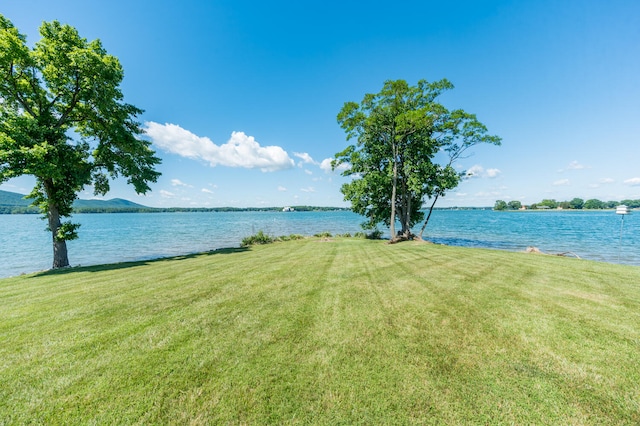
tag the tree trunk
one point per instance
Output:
(428, 216)
(392, 223)
(406, 226)
(60, 256)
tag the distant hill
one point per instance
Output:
(13, 199)
(12, 202)
(114, 203)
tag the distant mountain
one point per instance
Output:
(13, 199)
(114, 203)
(12, 202)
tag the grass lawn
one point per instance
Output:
(324, 332)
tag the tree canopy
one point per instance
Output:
(406, 145)
(63, 120)
(501, 205)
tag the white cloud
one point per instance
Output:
(239, 151)
(166, 194)
(326, 166)
(282, 189)
(306, 158)
(309, 172)
(487, 194)
(561, 182)
(178, 182)
(633, 181)
(492, 173)
(475, 171)
(308, 189)
(574, 165)
(605, 181)
(208, 191)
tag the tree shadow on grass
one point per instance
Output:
(136, 263)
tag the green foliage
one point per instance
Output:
(634, 204)
(594, 204)
(399, 131)
(500, 205)
(262, 238)
(291, 237)
(353, 332)
(67, 231)
(324, 234)
(259, 238)
(579, 204)
(548, 203)
(376, 234)
(576, 203)
(66, 85)
(514, 205)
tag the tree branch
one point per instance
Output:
(17, 93)
(72, 104)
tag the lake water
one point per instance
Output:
(108, 238)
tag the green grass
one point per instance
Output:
(331, 332)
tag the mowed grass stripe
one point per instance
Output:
(325, 332)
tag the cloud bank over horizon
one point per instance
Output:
(239, 151)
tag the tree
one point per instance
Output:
(399, 133)
(551, 204)
(593, 204)
(63, 120)
(576, 203)
(500, 205)
(631, 203)
(515, 205)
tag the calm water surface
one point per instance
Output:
(108, 238)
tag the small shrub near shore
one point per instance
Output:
(291, 237)
(259, 238)
(262, 238)
(376, 234)
(324, 234)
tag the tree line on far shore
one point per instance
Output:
(574, 204)
(8, 209)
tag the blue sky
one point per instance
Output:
(241, 97)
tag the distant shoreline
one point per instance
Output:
(4, 209)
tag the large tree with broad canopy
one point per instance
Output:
(63, 121)
(407, 144)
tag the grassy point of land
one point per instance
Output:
(324, 332)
